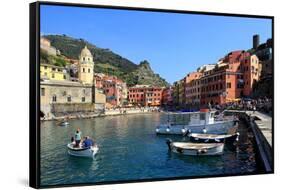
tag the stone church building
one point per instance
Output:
(68, 98)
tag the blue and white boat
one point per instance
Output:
(195, 122)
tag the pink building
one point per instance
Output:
(114, 89)
(167, 96)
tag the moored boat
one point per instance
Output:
(63, 123)
(82, 152)
(195, 122)
(196, 149)
(213, 138)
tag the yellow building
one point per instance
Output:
(52, 72)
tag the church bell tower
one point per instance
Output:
(86, 67)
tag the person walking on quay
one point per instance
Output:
(77, 137)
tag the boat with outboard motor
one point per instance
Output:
(195, 149)
(81, 151)
(195, 122)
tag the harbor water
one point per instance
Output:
(129, 149)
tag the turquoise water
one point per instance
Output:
(130, 150)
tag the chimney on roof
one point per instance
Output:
(256, 41)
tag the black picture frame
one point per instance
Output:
(34, 88)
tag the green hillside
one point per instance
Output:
(106, 61)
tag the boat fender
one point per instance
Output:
(204, 130)
(168, 129)
(183, 131)
(187, 132)
(168, 142)
(179, 150)
(157, 130)
(237, 137)
(217, 140)
(202, 151)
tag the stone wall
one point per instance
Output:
(72, 108)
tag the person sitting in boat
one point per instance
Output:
(77, 137)
(87, 142)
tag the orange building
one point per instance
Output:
(232, 78)
(167, 96)
(252, 73)
(192, 88)
(144, 95)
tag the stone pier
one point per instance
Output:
(261, 125)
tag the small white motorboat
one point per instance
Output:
(195, 122)
(196, 149)
(213, 138)
(82, 152)
(63, 124)
(228, 138)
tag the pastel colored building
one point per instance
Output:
(192, 88)
(114, 89)
(181, 91)
(52, 72)
(98, 77)
(145, 95)
(233, 77)
(167, 96)
(175, 88)
(252, 73)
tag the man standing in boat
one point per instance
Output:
(77, 137)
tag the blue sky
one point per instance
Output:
(174, 44)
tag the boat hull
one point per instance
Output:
(64, 124)
(203, 149)
(229, 139)
(219, 127)
(82, 152)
